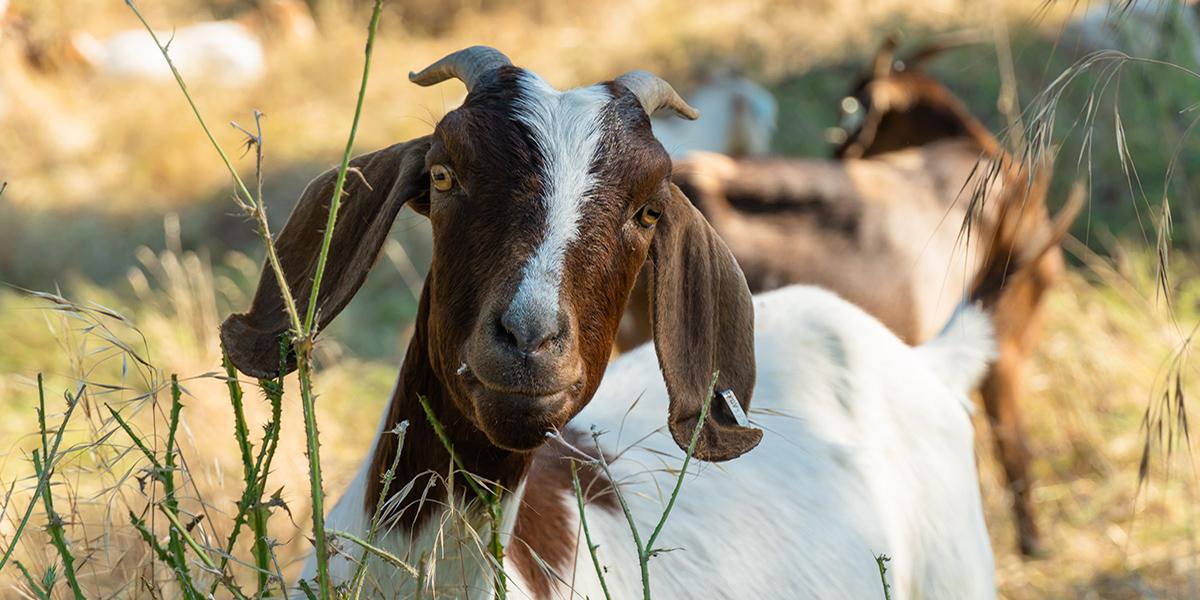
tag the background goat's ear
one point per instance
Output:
(703, 321)
(376, 188)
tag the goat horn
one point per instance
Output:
(881, 66)
(654, 93)
(468, 65)
(945, 43)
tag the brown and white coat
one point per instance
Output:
(544, 206)
(922, 208)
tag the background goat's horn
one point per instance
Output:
(881, 65)
(467, 65)
(654, 93)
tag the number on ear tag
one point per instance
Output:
(735, 407)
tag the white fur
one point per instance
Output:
(219, 52)
(955, 355)
(867, 451)
(738, 118)
(566, 128)
(457, 540)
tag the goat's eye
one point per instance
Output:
(442, 177)
(647, 217)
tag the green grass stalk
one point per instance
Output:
(303, 334)
(647, 551)
(336, 201)
(42, 590)
(54, 523)
(587, 534)
(51, 457)
(199, 550)
(54, 526)
(357, 582)
(249, 511)
(255, 207)
(491, 500)
(882, 560)
(312, 449)
(167, 475)
(304, 344)
(373, 549)
(183, 578)
(159, 470)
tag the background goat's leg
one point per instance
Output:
(1001, 391)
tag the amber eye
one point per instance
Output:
(441, 177)
(647, 217)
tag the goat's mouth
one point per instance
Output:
(520, 418)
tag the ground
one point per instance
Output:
(115, 199)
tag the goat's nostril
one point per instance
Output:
(528, 335)
(504, 333)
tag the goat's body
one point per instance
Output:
(883, 233)
(902, 235)
(867, 452)
(220, 52)
(739, 120)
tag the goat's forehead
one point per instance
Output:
(567, 130)
(560, 121)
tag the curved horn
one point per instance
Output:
(468, 65)
(881, 65)
(946, 42)
(654, 93)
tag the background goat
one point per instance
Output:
(544, 206)
(739, 120)
(229, 52)
(881, 227)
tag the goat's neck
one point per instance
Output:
(424, 453)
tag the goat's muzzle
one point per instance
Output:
(524, 377)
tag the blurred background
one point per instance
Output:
(117, 206)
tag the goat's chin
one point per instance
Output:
(517, 422)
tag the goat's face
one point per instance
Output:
(544, 206)
(897, 105)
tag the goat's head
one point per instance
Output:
(898, 105)
(544, 206)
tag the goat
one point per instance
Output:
(740, 117)
(1140, 28)
(544, 205)
(879, 226)
(228, 53)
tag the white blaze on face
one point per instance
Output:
(566, 128)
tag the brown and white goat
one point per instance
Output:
(545, 205)
(883, 227)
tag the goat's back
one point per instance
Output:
(866, 452)
(884, 233)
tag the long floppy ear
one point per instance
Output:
(376, 188)
(703, 321)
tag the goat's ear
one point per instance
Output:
(376, 188)
(703, 321)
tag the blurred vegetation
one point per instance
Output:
(115, 199)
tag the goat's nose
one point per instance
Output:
(530, 333)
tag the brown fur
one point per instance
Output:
(883, 231)
(497, 402)
(546, 529)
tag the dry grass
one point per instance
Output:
(1105, 358)
(93, 345)
(79, 152)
